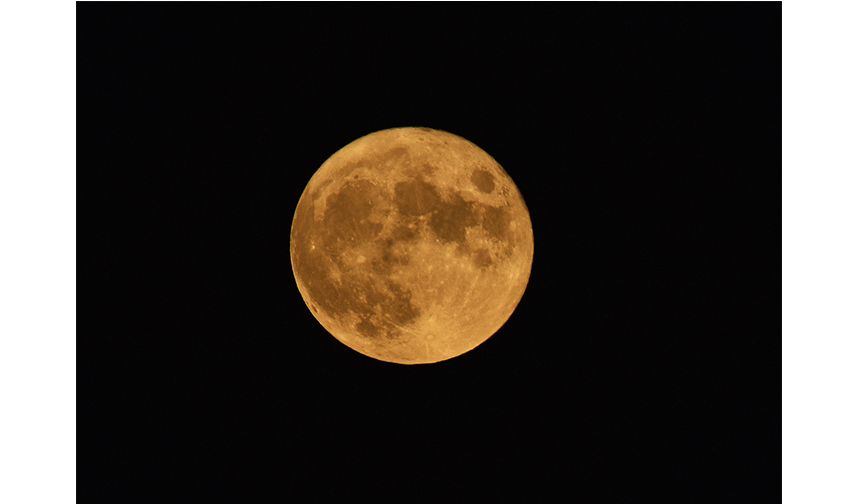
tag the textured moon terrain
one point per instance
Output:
(411, 245)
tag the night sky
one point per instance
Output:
(643, 361)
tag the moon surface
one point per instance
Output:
(411, 245)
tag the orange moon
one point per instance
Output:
(411, 245)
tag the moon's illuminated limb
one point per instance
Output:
(411, 245)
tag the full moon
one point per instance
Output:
(411, 245)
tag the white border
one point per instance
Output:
(821, 253)
(37, 252)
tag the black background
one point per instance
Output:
(643, 362)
